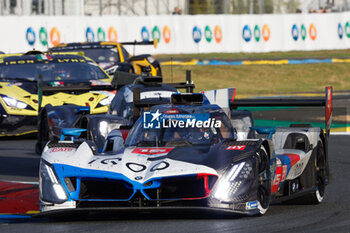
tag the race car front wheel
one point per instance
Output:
(159, 71)
(264, 181)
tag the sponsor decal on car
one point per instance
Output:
(57, 84)
(151, 151)
(278, 179)
(61, 149)
(236, 147)
(43, 59)
(284, 172)
(251, 205)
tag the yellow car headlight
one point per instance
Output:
(107, 101)
(11, 102)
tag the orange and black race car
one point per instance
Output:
(112, 56)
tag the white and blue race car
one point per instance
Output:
(184, 155)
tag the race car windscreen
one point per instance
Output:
(170, 132)
(123, 105)
(103, 56)
(53, 71)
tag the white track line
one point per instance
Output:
(340, 133)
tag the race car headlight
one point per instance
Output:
(112, 70)
(150, 59)
(11, 102)
(107, 100)
(51, 189)
(234, 183)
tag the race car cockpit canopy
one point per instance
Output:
(123, 103)
(100, 52)
(52, 68)
(181, 125)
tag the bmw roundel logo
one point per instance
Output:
(247, 33)
(340, 31)
(295, 32)
(138, 178)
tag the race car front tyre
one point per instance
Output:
(159, 71)
(264, 181)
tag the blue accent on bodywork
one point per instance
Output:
(73, 132)
(285, 160)
(205, 100)
(265, 130)
(83, 109)
(64, 171)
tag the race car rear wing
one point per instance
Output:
(119, 80)
(153, 42)
(290, 102)
(138, 104)
(122, 78)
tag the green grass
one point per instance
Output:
(271, 55)
(265, 79)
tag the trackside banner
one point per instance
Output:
(184, 33)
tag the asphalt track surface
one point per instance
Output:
(18, 162)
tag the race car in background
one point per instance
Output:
(302, 170)
(186, 155)
(19, 79)
(112, 56)
(134, 94)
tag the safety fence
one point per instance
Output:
(183, 33)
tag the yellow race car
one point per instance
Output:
(73, 77)
(112, 56)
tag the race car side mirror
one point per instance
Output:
(311, 147)
(114, 142)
